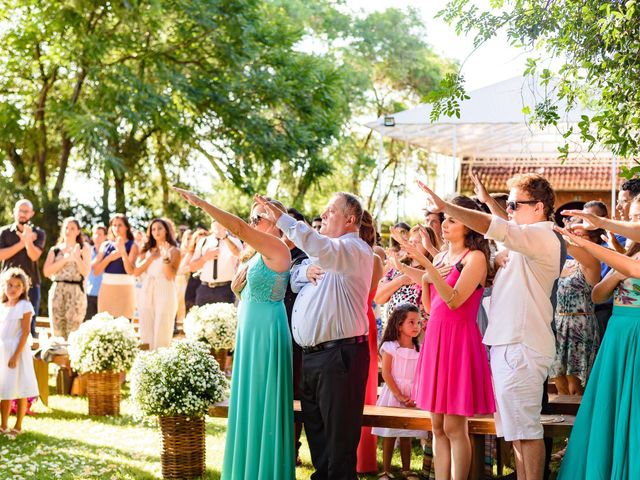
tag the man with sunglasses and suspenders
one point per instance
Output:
(519, 331)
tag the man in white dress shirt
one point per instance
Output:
(519, 330)
(329, 322)
(216, 258)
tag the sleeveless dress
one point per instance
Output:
(453, 375)
(403, 369)
(605, 439)
(158, 306)
(577, 336)
(67, 300)
(259, 443)
(19, 382)
(367, 460)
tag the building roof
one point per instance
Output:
(591, 178)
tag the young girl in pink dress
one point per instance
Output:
(17, 375)
(453, 379)
(399, 349)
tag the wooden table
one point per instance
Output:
(414, 419)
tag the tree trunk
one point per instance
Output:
(106, 188)
(119, 181)
(164, 183)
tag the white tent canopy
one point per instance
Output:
(491, 124)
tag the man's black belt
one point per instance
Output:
(335, 343)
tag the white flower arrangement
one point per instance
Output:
(103, 344)
(183, 379)
(214, 323)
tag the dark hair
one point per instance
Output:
(472, 239)
(632, 186)
(101, 227)
(501, 198)
(296, 214)
(151, 242)
(316, 219)
(634, 248)
(538, 188)
(368, 229)
(15, 272)
(125, 220)
(396, 318)
(79, 237)
(439, 214)
(598, 205)
(401, 226)
(352, 206)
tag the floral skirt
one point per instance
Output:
(577, 342)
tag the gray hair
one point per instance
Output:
(352, 206)
(23, 201)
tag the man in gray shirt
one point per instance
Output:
(330, 323)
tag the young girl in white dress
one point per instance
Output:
(17, 375)
(400, 351)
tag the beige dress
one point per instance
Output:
(67, 299)
(158, 307)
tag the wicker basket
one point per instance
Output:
(103, 391)
(183, 447)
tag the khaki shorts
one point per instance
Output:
(518, 378)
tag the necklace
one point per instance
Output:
(448, 257)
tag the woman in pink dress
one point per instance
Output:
(367, 460)
(453, 379)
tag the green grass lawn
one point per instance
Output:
(63, 442)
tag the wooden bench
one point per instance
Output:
(564, 404)
(43, 324)
(414, 419)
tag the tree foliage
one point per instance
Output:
(133, 93)
(595, 45)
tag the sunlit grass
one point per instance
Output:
(63, 442)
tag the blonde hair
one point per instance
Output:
(15, 272)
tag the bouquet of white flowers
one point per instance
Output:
(103, 344)
(183, 379)
(214, 323)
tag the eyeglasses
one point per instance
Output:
(513, 204)
(256, 219)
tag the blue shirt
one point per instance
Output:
(336, 307)
(117, 265)
(93, 281)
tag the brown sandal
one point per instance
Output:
(409, 475)
(386, 476)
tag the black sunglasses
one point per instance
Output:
(256, 219)
(513, 204)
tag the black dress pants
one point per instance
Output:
(221, 294)
(332, 396)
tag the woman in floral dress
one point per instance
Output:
(577, 335)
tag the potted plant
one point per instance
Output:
(215, 324)
(103, 348)
(178, 384)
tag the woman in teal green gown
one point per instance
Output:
(259, 442)
(605, 439)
